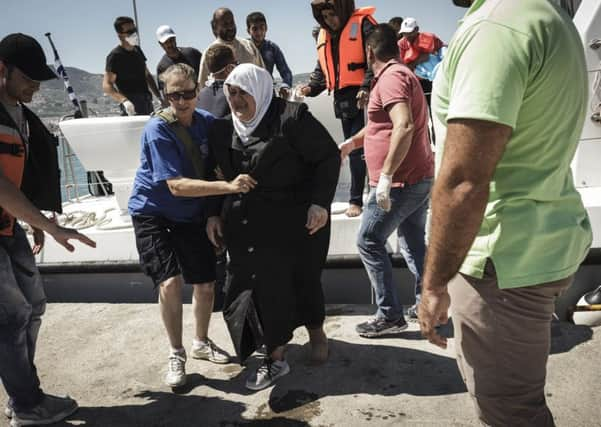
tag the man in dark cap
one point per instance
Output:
(29, 182)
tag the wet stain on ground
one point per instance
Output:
(372, 414)
(291, 400)
(295, 404)
(273, 422)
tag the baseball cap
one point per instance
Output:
(25, 53)
(408, 26)
(164, 33)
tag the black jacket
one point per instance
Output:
(275, 265)
(41, 177)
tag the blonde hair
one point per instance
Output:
(183, 70)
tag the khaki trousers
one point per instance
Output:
(503, 338)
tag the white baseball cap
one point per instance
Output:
(164, 33)
(408, 26)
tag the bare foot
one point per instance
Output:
(353, 210)
(319, 346)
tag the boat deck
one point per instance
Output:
(111, 358)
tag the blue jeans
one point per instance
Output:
(408, 217)
(22, 303)
(356, 159)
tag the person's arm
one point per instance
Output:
(188, 187)
(473, 149)
(108, 86)
(484, 106)
(401, 137)
(317, 82)
(282, 66)
(15, 202)
(400, 142)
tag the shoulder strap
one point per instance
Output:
(192, 149)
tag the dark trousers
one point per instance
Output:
(22, 303)
(351, 126)
(427, 88)
(142, 102)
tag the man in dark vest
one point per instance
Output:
(29, 181)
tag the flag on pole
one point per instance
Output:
(60, 70)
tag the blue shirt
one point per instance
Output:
(272, 55)
(163, 156)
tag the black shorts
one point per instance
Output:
(169, 248)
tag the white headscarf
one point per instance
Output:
(258, 83)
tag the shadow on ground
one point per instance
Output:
(565, 336)
(352, 370)
(167, 409)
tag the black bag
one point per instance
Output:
(243, 323)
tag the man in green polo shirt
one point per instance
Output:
(508, 228)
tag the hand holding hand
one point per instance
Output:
(317, 217)
(383, 192)
(242, 184)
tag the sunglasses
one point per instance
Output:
(185, 94)
(130, 31)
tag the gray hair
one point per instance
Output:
(182, 70)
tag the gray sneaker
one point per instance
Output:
(176, 370)
(267, 373)
(378, 327)
(210, 352)
(50, 410)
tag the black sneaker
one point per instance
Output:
(379, 327)
(50, 410)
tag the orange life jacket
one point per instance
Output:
(425, 43)
(351, 55)
(12, 165)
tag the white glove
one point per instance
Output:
(383, 192)
(129, 107)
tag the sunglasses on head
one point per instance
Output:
(130, 31)
(185, 94)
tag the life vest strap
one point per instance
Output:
(353, 66)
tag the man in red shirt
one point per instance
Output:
(401, 166)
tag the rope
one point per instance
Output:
(81, 220)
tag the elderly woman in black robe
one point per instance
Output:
(277, 235)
